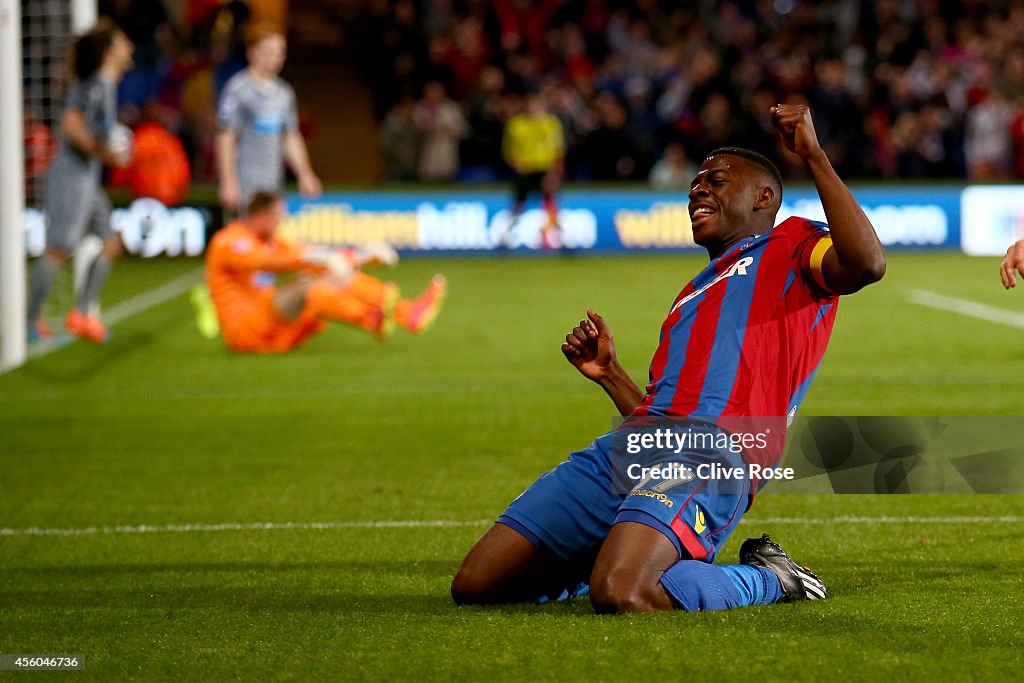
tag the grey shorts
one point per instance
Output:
(74, 209)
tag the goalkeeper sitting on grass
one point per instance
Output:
(254, 315)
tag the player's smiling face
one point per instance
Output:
(722, 202)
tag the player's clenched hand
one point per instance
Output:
(796, 129)
(1012, 264)
(589, 347)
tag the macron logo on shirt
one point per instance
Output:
(738, 268)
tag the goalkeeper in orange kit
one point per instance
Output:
(255, 315)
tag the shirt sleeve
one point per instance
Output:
(229, 109)
(77, 98)
(245, 253)
(813, 240)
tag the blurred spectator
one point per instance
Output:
(673, 171)
(399, 139)
(915, 88)
(394, 49)
(610, 150)
(1017, 137)
(900, 88)
(440, 124)
(487, 109)
(158, 169)
(988, 138)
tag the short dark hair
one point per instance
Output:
(88, 50)
(755, 158)
(261, 202)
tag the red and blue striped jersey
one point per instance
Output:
(746, 335)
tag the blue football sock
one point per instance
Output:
(757, 585)
(697, 586)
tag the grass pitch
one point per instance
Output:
(162, 427)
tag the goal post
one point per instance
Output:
(12, 189)
(35, 37)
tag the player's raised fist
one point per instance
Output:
(590, 348)
(796, 129)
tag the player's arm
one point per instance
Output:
(591, 350)
(1012, 264)
(75, 130)
(297, 157)
(229, 121)
(250, 254)
(554, 174)
(856, 258)
(227, 150)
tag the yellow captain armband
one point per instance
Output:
(817, 257)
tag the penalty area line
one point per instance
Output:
(972, 309)
(454, 523)
(151, 298)
(154, 297)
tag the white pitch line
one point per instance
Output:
(973, 309)
(153, 297)
(1004, 519)
(234, 526)
(449, 523)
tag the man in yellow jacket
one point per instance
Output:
(534, 147)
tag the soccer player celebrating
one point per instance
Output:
(259, 127)
(1012, 264)
(743, 338)
(254, 315)
(534, 146)
(75, 199)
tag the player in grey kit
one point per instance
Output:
(75, 199)
(259, 129)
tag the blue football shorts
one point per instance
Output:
(571, 509)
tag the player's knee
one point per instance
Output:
(470, 587)
(112, 247)
(57, 255)
(473, 583)
(620, 592)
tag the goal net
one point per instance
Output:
(47, 28)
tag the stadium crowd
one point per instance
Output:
(180, 69)
(901, 88)
(643, 89)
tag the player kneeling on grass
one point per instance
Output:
(254, 315)
(743, 338)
